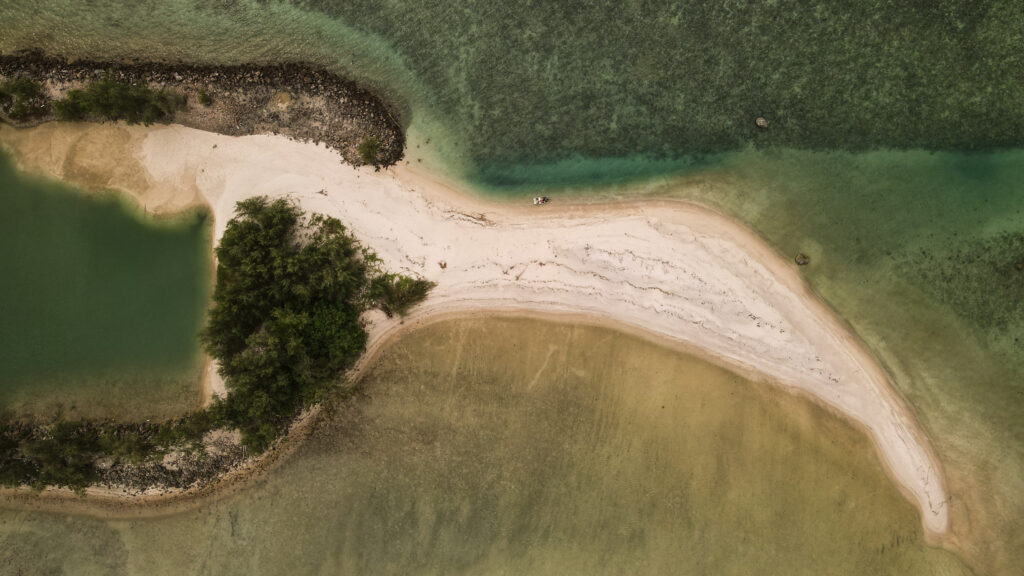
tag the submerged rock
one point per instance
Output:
(802, 259)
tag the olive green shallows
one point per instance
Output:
(100, 305)
(508, 446)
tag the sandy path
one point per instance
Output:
(675, 270)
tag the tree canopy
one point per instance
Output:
(22, 98)
(285, 321)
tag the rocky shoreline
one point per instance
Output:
(171, 484)
(295, 100)
(186, 468)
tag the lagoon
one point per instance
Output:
(100, 305)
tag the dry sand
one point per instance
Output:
(670, 269)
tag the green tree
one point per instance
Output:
(113, 99)
(22, 98)
(368, 149)
(64, 456)
(395, 293)
(285, 322)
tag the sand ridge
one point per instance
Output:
(670, 269)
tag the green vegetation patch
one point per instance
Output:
(368, 149)
(285, 322)
(285, 326)
(112, 99)
(22, 98)
(395, 293)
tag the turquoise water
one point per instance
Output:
(100, 308)
(917, 250)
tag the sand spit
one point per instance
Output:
(669, 269)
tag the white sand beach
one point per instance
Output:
(674, 270)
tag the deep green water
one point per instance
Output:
(917, 250)
(521, 447)
(99, 308)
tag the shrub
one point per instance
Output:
(395, 293)
(22, 89)
(204, 97)
(285, 321)
(63, 457)
(22, 98)
(112, 99)
(368, 149)
(74, 106)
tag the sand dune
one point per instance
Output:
(670, 269)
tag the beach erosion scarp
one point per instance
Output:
(675, 271)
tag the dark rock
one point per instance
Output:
(802, 259)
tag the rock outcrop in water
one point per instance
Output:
(295, 100)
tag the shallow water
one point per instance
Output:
(511, 446)
(100, 306)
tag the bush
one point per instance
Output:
(74, 106)
(285, 321)
(368, 149)
(204, 98)
(22, 89)
(64, 457)
(22, 98)
(112, 99)
(395, 293)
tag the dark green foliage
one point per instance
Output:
(285, 322)
(112, 99)
(131, 443)
(187, 431)
(14, 470)
(22, 89)
(368, 149)
(395, 294)
(204, 97)
(64, 456)
(22, 98)
(74, 106)
(284, 326)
